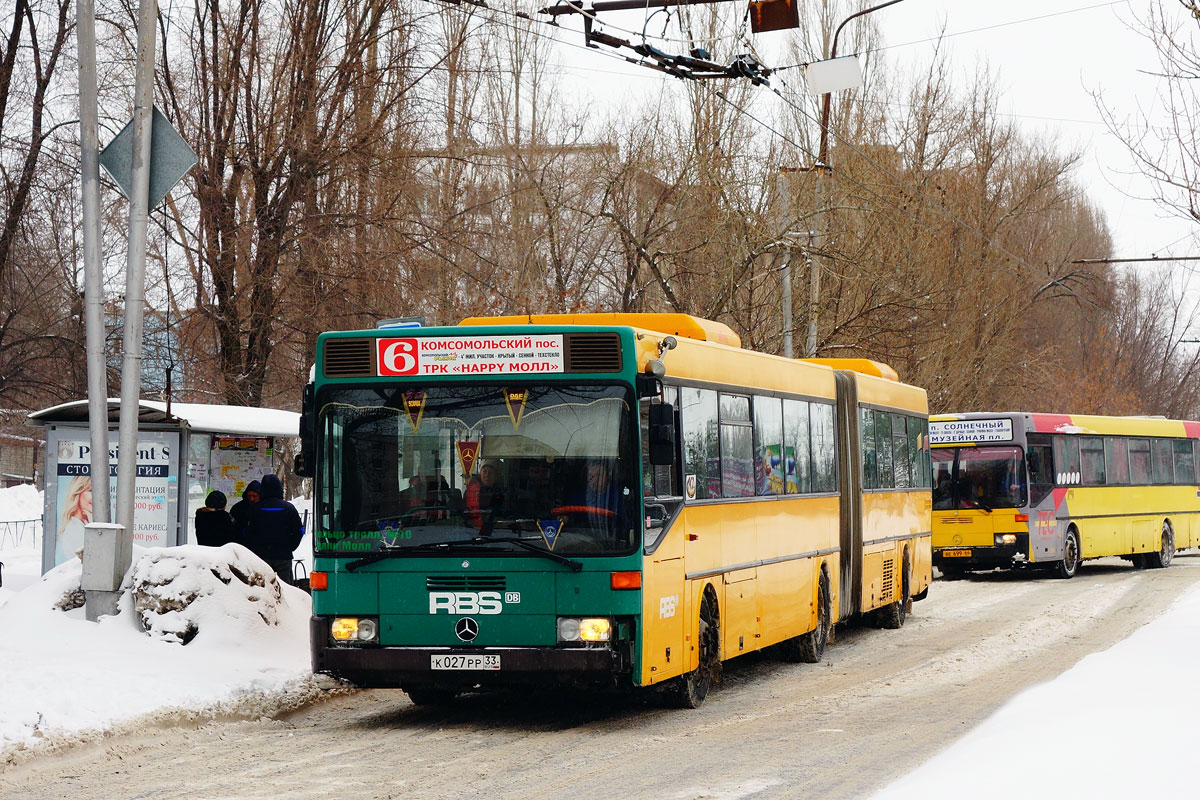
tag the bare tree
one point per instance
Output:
(35, 317)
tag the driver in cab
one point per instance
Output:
(485, 495)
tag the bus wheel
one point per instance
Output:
(810, 647)
(692, 688)
(893, 614)
(430, 695)
(1166, 551)
(1070, 562)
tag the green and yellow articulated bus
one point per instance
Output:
(605, 499)
(1052, 490)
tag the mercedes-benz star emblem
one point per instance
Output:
(466, 629)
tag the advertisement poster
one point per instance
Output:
(154, 493)
(768, 470)
(237, 460)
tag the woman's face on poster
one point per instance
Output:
(85, 504)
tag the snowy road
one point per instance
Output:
(880, 704)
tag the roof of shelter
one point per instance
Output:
(238, 420)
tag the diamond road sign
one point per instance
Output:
(170, 158)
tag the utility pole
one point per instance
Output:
(93, 277)
(824, 170)
(135, 277)
(783, 187)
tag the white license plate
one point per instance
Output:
(464, 662)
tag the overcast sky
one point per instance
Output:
(1049, 56)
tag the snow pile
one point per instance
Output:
(20, 538)
(63, 676)
(181, 592)
(21, 503)
(1117, 724)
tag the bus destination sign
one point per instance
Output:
(970, 430)
(470, 355)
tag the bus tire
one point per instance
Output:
(1070, 561)
(430, 695)
(892, 615)
(809, 647)
(1166, 550)
(691, 689)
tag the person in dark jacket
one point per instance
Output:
(273, 528)
(241, 509)
(214, 526)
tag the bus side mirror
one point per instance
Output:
(662, 434)
(302, 463)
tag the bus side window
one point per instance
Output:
(883, 450)
(900, 454)
(823, 427)
(1066, 461)
(1185, 467)
(1139, 461)
(1163, 466)
(702, 455)
(1091, 454)
(1041, 470)
(659, 480)
(798, 451)
(1116, 460)
(870, 465)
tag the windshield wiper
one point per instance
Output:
(533, 548)
(391, 552)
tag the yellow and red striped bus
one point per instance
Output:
(1021, 489)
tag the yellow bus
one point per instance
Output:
(1052, 490)
(752, 501)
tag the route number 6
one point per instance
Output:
(397, 356)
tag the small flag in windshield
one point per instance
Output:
(515, 400)
(550, 529)
(414, 407)
(467, 453)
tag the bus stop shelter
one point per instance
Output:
(184, 451)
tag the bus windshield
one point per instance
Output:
(978, 477)
(512, 468)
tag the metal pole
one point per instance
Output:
(822, 166)
(93, 277)
(135, 277)
(785, 206)
(787, 302)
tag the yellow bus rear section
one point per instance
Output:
(765, 593)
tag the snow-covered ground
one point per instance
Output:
(62, 676)
(1120, 723)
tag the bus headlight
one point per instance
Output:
(588, 629)
(353, 629)
(1006, 538)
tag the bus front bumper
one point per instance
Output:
(966, 557)
(394, 667)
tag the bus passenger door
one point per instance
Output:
(664, 611)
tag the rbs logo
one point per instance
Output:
(397, 356)
(465, 602)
